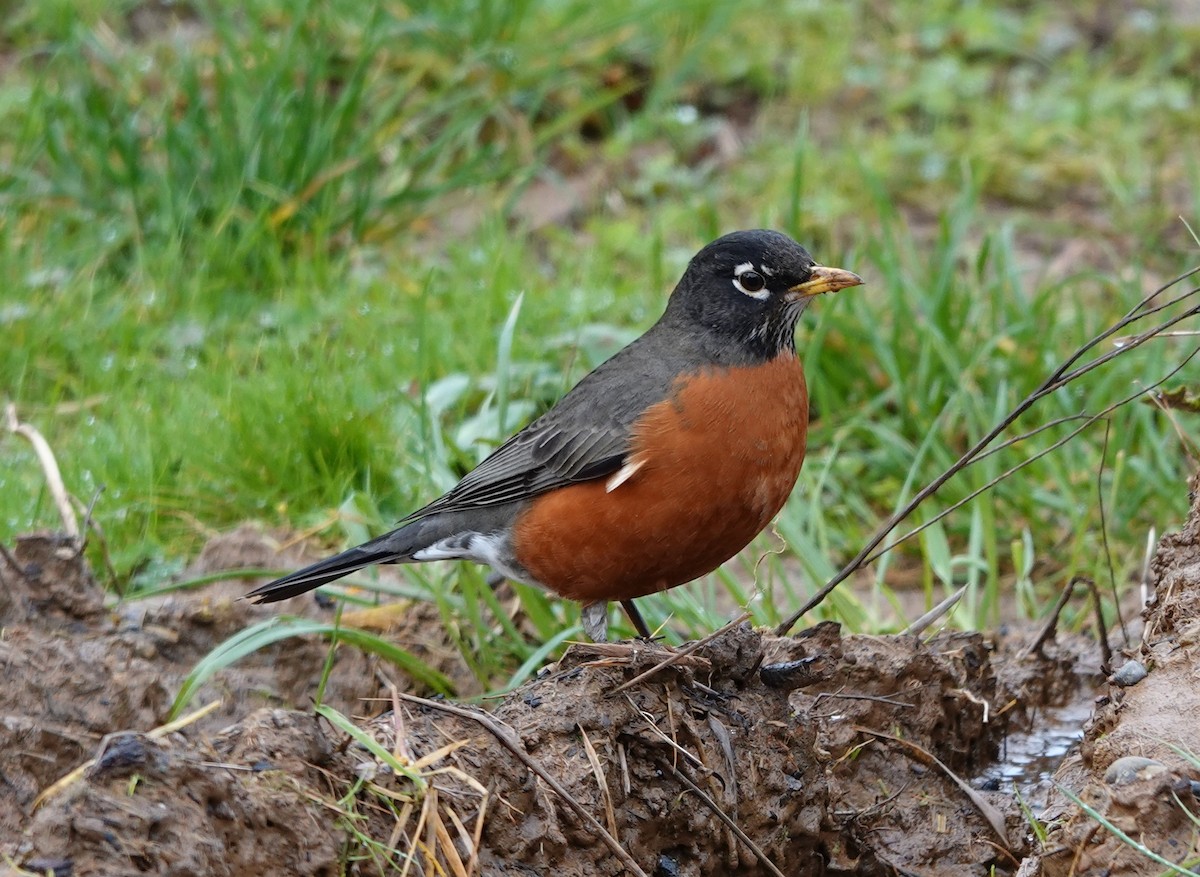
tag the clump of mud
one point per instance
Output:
(238, 803)
(824, 753)
(75, 670)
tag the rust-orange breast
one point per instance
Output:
(721, 457)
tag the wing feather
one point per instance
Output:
(587, 435)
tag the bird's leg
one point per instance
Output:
(595, 621)
(495, 579)
(638, 622)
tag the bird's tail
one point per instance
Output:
(323, 571)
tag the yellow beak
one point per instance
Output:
(823, 280)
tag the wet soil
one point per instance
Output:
(1137, 765)
(824, 753)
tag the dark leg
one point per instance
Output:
(636, 617)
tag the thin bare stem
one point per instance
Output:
(1051, 626)
(1089, 419)
(1060, 377)
(918, 627)
(505, 739)
(679, 654)
(1112, 573)
(1037, 430)
(54, 479)
(712, 805)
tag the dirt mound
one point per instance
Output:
(836, 768)
(171, 807)
(75, 671)
(821, 752)
(824, 753)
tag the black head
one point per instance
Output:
(749, 288)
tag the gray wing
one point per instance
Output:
(586, 435)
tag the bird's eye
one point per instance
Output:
(750, 282)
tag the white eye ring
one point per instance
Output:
(758, 280)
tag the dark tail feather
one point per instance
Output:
(321, 572)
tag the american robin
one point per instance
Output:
(657, 467)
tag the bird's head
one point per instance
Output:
(750, 287)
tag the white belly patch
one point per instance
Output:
(492, 549)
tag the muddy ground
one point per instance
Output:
(824, 754)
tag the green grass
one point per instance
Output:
(268, 264)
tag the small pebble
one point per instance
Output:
(57, 867)
(1126, 770)
(790, 674)
(1131, 673)
(123, 754)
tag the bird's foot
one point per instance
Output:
(594, 617)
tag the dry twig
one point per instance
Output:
(156, 734)
(1088, 419)
(54, 479)
(610, 815)
(712, 805)
(918, 626)
(1066, 373)
(993, 816)
(677, 655)
(496, 730)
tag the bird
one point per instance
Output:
(657, 467)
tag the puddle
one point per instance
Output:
(1028, 760)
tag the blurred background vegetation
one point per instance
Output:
(306, 263)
